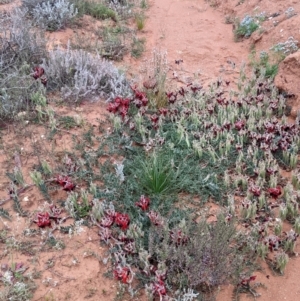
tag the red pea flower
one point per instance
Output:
(38, 72)
(125, 102)
(122, 273)
(144, 101)
(69, 185)
(159, 288)
(43, 220)
(246, 281)
(123, 111)
(65, 182)
(154, 118)
(275, 192)
(122, 220)
(178, 237)
(163, 111)
(143, 203)
(155, 218)
(255, 190)
(239, 124)
(113, 107)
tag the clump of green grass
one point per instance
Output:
(95, 9)
(139, 20)
(156, 175)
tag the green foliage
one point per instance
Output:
(137, 47)
(67, 122)
(95, 9)
(22, 47)
(263, 66)
(156, 173)
(140, 21)
(5, 214)
(17, 206)
(206, 259)
(244, 28)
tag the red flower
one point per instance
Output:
(143, 203)
(118, 100)
(154, 118)
(172, 97)
(163, 111)
(107, 221)
(38, 72)
(178, 237)
(125, 102)
(239, 124)
(123, 111)
(43, 220)
(159, 288)
(255, 190)
(113, 107)
(65, 182)
(270, 127)
(246, 281)
(122, 220)
(144, 101)
(122, 273)
(275, 192)
(155, 218)
(196, 88)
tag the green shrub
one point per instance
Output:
(245, 28)
(95, 9)
(263, 66)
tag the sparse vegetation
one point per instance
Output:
(244, 28)
(97, 10)
(147, 181)
(53, 15)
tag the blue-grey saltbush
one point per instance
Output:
(79, 74)
(53, 15)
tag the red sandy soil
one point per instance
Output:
(189, 30)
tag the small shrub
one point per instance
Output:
(29, 5)
(245, 28)
(21, 48)
(198, 255)
(137, 47)
(157, 68)
(114, 42)
(288, 47)
(78, 75)
(95, 9)
(54, 15)
(263, 66)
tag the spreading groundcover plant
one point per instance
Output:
(145, 183)
(148, 202)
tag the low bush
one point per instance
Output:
(21, 48)
(245, 28)
(95, 9)
(53, 15)
(78, 74)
